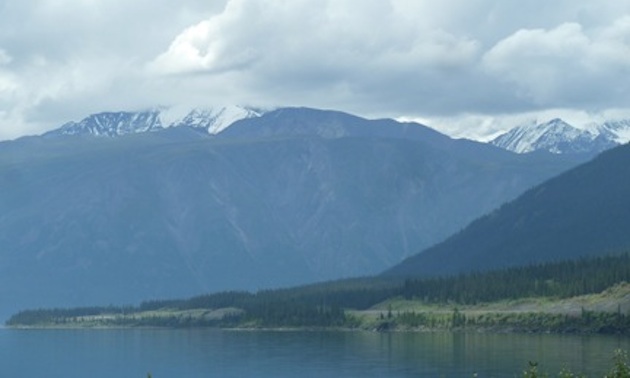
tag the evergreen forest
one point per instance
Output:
(342, 304)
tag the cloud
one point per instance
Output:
(7, 82)
(407, 57)
(62, 59)
(446, 60)
(9, 87)
(299, 50)
(5, 58)
(566, 65)
(327, 35)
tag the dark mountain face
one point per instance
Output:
(172, 213)
(583, 212)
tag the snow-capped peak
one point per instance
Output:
(555, 136)
(112, 124)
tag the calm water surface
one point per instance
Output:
(213, 353)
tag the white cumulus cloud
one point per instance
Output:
(270, 35)
(326, 53)
(566, 65)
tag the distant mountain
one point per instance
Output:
(113, 124)
(292, 196)
(558, 137)
(329, 124)
(555, 136)
(583, 212)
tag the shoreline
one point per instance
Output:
(607, 312)
(496, 329)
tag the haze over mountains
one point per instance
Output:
(286, 197)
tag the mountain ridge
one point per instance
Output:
(553, 136)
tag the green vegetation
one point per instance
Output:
(620, 369)
(560, 280)
(588, 295)
(586, 322)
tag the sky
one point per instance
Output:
(470, 68)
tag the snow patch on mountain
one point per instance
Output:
(618, 131)
(216, 120)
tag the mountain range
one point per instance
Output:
(555, 136)
(278, 198)
(582, 212)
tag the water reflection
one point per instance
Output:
(212, 353)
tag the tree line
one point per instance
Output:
(558, 279)
(324, 305)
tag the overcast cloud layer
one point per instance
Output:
(468, 67)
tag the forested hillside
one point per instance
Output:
(583, 212)
(330, 304)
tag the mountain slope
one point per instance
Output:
(581, 212)
(271, 201)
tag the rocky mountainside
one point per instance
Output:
(289, 197)
(583, 212)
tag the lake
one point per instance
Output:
(214, 353)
